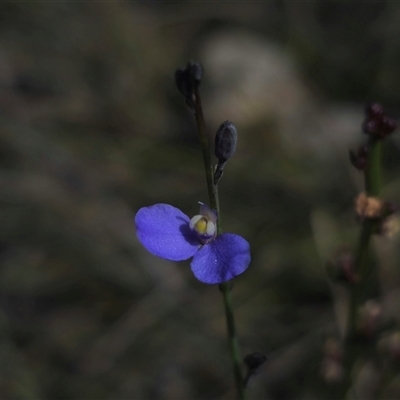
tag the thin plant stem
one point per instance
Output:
(214, 203)
(373, 172)
(205, 149)
(362, 262)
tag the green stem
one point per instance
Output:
(205, 149)
(362, 268)
(362, 262)
(233, 343)
(373, 172)
(214, 203)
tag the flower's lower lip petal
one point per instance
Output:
(221, 260)
(164, 231)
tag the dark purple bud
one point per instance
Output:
(225, 141)
(359, 160)
(182, 81)
(225, 146)
(374, 110)
(356, 162)
(377, 123)
(195, 71)
(388, 125)
(363, 151)
(253, 363)
(371, 126)
(353, 158)
(187, 79)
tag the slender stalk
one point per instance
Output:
(205, 149)
(214, 203)
(362, 268)
(373, 172)
(362, 262)
(233, 343)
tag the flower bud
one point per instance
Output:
(186, 80)
(388, 125)
(225, 141)
(195, 71)
(377, 123)
(371, 127)
(359, 160)
(374, 110)
(182, 81)
(225, 146)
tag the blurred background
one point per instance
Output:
(92, 128)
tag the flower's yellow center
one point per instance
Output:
(201, 226)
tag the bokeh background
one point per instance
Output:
(92, 128)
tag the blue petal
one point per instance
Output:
(222, 259)
(208, 212)
(164, 231)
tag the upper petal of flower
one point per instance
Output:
(208, 212)
(222, 259)
(164, 231)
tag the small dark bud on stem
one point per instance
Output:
(376, 122)
(253, 363)
(374, 110)
(359, 160)
(388, 125)
(187, 79)
(195, 71)
(225, 146)
(225, 141)
(181, 81)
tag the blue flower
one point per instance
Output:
(167, 232)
